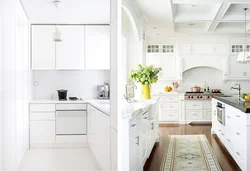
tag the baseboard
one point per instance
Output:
(59, 145)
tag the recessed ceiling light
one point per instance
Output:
(193, 5)
(191, 24)
(154, 27)
(157, 34)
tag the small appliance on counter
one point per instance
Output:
(103, 91)
(62, 94)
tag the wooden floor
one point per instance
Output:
(154, 162)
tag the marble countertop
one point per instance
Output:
(102, 105)
(234, 102)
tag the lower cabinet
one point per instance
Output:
(133, 151)
(99, 136)
(42, 132)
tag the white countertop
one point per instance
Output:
(130, 110)
(102, 105)
(169, 93)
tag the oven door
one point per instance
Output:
(71, 122)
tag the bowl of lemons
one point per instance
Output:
(168, 88)
(245, 97)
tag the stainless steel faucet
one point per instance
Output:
(127, 94)
(237, 88)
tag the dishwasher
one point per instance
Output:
(71, 119)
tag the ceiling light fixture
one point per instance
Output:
(154, 27)
(57, 3)
(244, 56)
(191, 24)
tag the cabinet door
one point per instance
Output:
(43, 48)
(97, 47)
(238, 70)
(154, 59)
(70, 51)
(207, 115)
(168, 66)
(185, 48)
(203, 48)
(220, 49)
(99, 137)
(133, 151)
(42, 132)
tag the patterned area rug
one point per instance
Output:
(189, 153)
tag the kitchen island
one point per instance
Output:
(140, 130)
(231, 124)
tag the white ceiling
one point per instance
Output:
(196, 16)
(69, 12)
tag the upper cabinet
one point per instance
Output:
(163, 48)
(43, 48)
(97, 47)
(82, 47)
(202, 49)
(70, 51)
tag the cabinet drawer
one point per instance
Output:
(170, 106)
(193, 104)
(207, 105)
(171, 115)
(207, 115)
(42, 107)
(132, 126)
(42, 116)
(71, 139)
(42, 132)
(71, 106)
(194, 114)
(169, 99)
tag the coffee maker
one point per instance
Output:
(62, 94)
(103, 91)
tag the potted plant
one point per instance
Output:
(146, 75)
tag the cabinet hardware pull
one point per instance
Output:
(145, 117)
(238, 116)
(194, 105)
(138, 140)
(171, 115)
(228, 140)
(133, 125)
(194, 114)
(144, 113)
(219, 130)
(152, 125)
(222, 134)
(228, 117)
(238, 153)
(237, 133)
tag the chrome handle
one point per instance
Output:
(238, 153)
(222, 134)
(170, 106)
(237, 133)
(152, 125)
(194, 114)
(194, 105)
(145, 117)
(219, 130)
(171, 115)
(238, 116)
(144, 113)
(133, 125)
(228, 140)
(138, 140)
(228, 117)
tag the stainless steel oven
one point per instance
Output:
(221, 113)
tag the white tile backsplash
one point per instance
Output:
(197, 76)
(78, 83)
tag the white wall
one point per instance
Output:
(16, 84)
(1, 84)
(81, 84)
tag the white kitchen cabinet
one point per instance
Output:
(168, 66)
(154, 59)
(133, 152)
(220, 49)
(185, 48)
(42, 132)
(43, 48)
(97, 47)
(70, 51)
(237, 71)
(99, 136)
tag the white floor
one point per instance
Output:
(59, 159)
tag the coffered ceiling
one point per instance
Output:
(194, 16)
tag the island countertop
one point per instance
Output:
(234, 102)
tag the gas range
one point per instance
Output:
(200, 95)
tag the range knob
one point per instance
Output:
(201, 97)
(189, 97)
(198, 97)
(208, 97)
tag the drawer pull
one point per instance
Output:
(170, 106)
(222, 134)
(171, 115)
(237, 133)
(194, 105)
(228, 140)
(238, 116)
(238, 153)
(133, 125)
(228, 117)
(152, 126)
(194, 114)
(144, 113)
(145, 117)
(138, 140)
(219, 130)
